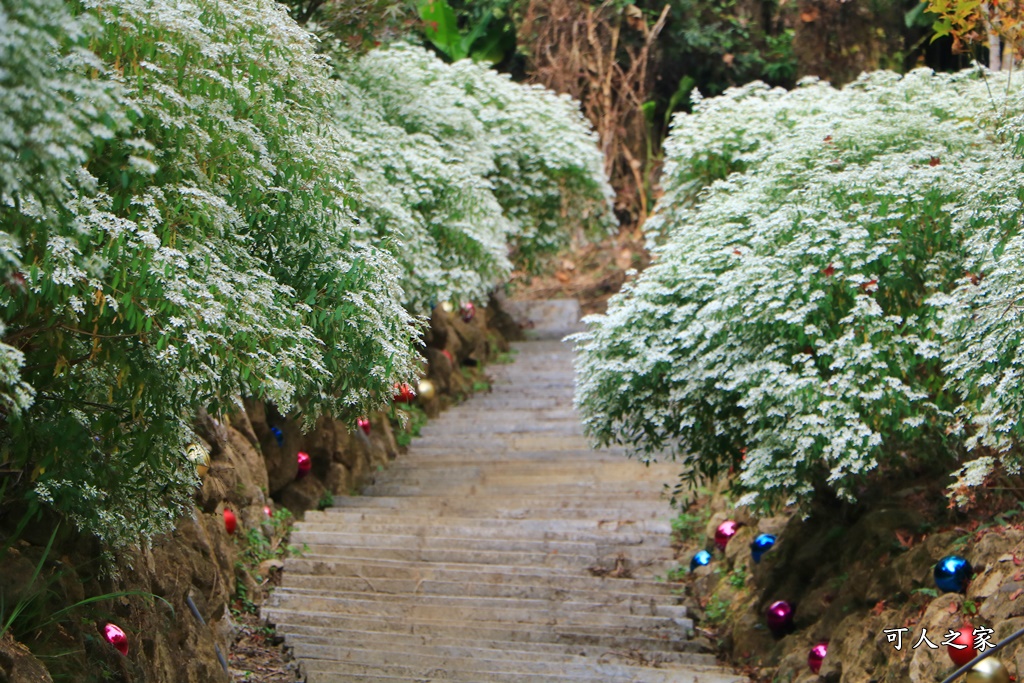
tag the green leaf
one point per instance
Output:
(441, 28)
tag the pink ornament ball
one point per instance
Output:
(725, 531)
(116, 637)
(780, 618)
(267, 511)
(468, 311)
(364, 425)
(817, 656)
(305, 464)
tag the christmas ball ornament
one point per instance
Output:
(403, 393)
(724, 532)
(760, 545)
(952, 573)
(267, 511)
(701, 559)
(426, 389)
(446, 306)
(278, 435)
(364, 424)
(988, 670)
(961, 656)
(468, 311)
(780, 618)
(230, 521)
(816, 656)
(199, 457)
(305, 464)
(116, 637)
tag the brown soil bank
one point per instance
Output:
(200, 571)
(853, 572)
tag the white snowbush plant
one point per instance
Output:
(823, 255)
(206, 250)
(535, 150)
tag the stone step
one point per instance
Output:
(370, 570)
(553, 589)
(672, 649)
(600, 556)
(575, 546)
(580, 631)
(417, 664)
(379, 517)
(495, 649)
(463, 608)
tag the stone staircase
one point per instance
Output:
(500, 548)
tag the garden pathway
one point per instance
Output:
(500, 548)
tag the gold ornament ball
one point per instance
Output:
(988, 670)
(447, 307)
(199, 457)
(426, 389)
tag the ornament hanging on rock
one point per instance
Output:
(988, 670)
(113, 634)
(468, 311)
(701, 559)
(780, 618)
(305, 464)
(403, 393)
(447, 307)
(760, 545)
(230, 521)
(952, 574)
(965, 653)
(816, 656)
(267, 511)
(200, 458)
(364, 424)
(278, 435)
(426, 389)
(725, 531)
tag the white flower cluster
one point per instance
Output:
(195, 209)
(832, 288)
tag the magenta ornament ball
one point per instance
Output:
(725, 531)
(816, 656)
(780, 618)
(116, 637)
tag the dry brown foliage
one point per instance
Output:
(602, 55)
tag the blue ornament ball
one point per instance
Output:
(701, 559)
(278, 435)
(952, 574)
(760, 545)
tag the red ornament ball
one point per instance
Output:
(966, 654)
(364, 424)
(725, 531)
(116, 637)
(816, 656)
(267, 511)
(230, 521)
(305, 464)
(403, 393)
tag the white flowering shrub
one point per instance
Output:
(534, 148)
(811, 312)
(206, 250)
(437, 217)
